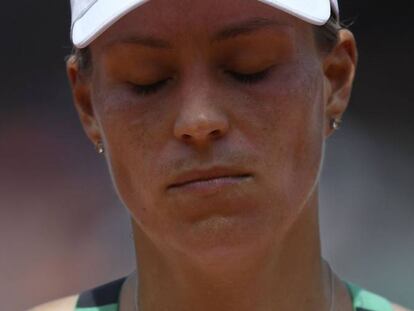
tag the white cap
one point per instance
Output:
(90, 18)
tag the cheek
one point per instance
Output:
(288, 129)
(281, 121)
(133, 139)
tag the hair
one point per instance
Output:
(326, 37)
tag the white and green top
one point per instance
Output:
(106, 298)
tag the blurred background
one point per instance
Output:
(62, 228)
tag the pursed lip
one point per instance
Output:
(205, 175)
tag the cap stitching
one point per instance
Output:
(82, 14)
(84, 11)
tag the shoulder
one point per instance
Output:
(397, 307)
(100, 296)
(69, 303)
(364, 299)
(62, 304)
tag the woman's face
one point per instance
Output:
(213, 89)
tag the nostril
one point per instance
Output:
(215, 133)
(186, 136)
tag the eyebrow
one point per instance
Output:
(247, 27)
(147, 41)
(231, 31)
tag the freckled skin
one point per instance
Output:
(273, 129)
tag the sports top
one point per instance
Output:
(106, 298)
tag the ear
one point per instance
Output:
(81, 91)
(339, 70)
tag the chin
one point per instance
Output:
(220, 240)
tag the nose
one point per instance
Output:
(200, 121)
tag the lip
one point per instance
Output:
(208, 179)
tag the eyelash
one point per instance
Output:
(250, 78)
(145, 90)
(149, 89)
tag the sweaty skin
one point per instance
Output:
(236, 85)
(202, 85)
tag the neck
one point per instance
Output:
(293, 276)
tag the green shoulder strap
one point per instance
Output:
(366, 300)
(102, 298)
(111, 307)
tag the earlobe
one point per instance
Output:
(339, 70)
(81, 92)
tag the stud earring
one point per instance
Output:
(336, 123)
(100, 147)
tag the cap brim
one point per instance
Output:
(105, 13)
(102, 15)
(316, 12)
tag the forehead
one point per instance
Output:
(196, 19)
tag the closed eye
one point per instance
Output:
(249, 78)
(148, 89)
